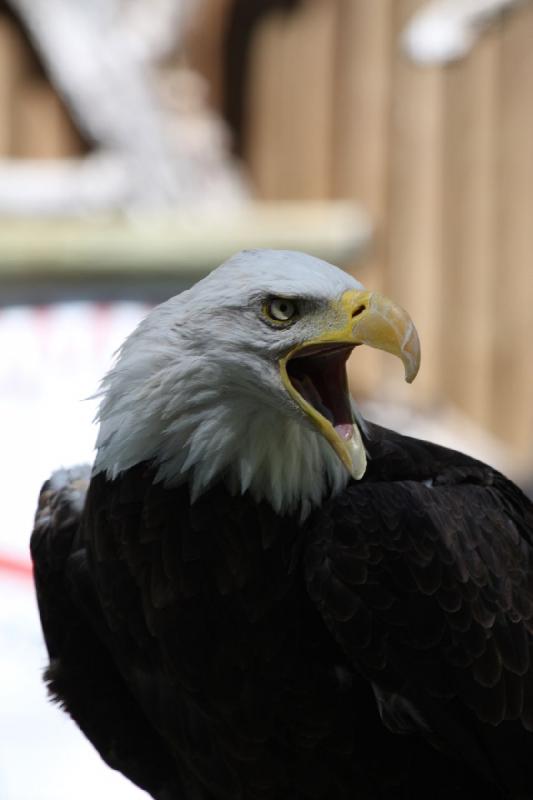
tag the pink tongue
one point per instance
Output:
(345, 431)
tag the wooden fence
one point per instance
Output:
(33, 121)
(441, 158)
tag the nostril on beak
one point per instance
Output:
(359, 310)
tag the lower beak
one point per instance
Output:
(361, 317)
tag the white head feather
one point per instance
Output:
(197, 389)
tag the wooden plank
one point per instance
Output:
(360, 143)
(203, 46)
(414, 247)
(512, 393)
(361, 113)
(13, 64)
(289, 126)
(470, 237)
(308, 59)
(42, 126)
(263, 107)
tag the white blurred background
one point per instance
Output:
(52, 360)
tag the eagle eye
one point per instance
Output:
(280, 309)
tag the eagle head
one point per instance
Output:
(242, 378)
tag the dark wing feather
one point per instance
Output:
(196, 602)
(81, 675)
(422, 572)
(184, 643)
(216, 636)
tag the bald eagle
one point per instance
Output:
(255, 594)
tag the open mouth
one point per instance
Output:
(318, 374)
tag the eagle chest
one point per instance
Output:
(210, 598)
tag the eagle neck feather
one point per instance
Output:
(187, 416)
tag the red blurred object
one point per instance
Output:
(19, 567)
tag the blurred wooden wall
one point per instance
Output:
(442, 158)
(33, 121)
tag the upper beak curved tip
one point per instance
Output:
(410, 353)
(380, 323)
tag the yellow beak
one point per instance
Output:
(359, 317)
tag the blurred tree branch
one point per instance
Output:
(156, 141)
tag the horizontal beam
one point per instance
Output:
(99, 248)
